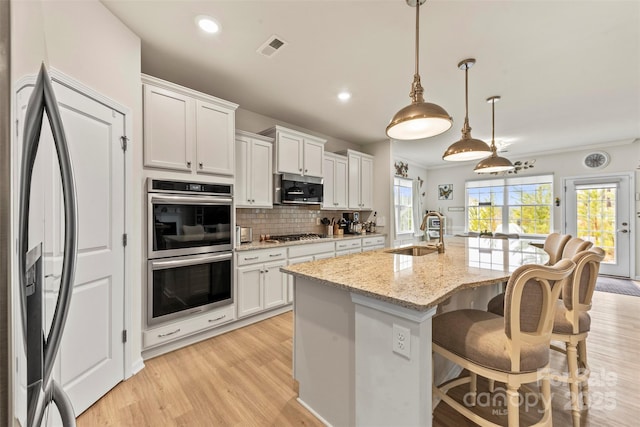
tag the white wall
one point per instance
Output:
(624, 158)
(86, 42)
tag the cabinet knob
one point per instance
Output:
(306, 170)
(200, 164)
(300, 170)
(188, 164)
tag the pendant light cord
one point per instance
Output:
(417, 34)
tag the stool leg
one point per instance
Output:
(572, 362)
(545, 385)
(513, 409)
(582, 359)
(473, 388)
(492, 385)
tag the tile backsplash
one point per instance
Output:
(285, 219)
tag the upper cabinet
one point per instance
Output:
(187, 131)
(254, 176)
(360, 180)
(335, 182)
(296, 152)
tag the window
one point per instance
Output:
(403, 201)
(520, 205)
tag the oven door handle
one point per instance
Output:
(186, 261)
(190, 200)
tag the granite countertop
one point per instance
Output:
(274, 244)
(422, 282)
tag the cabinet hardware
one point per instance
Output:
(200, 164)
(306, 170)
(217, 318)
(266, 271)
(300, 170)
(250, 258)
(188, 164)
(273, 255)
(169, 333)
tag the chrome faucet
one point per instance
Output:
(423, 226)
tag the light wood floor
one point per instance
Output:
(243, 378)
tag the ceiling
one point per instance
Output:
(568, 72)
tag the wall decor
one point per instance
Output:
(402, 169)
(445, 192)
(520, 165)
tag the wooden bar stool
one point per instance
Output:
(572, 323)
(513, 349)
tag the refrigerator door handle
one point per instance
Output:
(43, 99)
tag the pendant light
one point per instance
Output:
(494, 163)
(419, 119)
(467, 148)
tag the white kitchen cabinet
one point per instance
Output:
(348, 247)
(335, 182)
(187, 131)
(261, 285)
(372, 243)
(180, 329)
(296, 152)
(360, 188)
(254, 176)
(305, 253)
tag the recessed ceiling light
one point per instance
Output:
(344, 96)
(207, 24)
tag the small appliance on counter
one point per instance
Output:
(244, 234)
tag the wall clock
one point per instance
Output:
(596, 160)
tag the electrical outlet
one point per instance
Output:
(401, 341)
(318, 221)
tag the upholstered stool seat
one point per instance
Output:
(484, 341)
(513, 349)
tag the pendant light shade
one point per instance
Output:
(493, 163)
(419, 119)
(467, 148)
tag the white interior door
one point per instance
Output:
(91, 356)
(597, 209)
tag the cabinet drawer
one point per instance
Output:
(255, 257)
(373, 241)
(348, 244)
(310, 249)
(189, 326)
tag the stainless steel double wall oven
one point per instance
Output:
(190, 242)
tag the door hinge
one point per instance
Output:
(124, 239)
(124, 335)
(124, 141)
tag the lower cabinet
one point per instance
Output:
(261, 287)
(179, 329)
(372, 243)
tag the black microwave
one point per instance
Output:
(297, 189)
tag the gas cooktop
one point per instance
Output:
(296, 237)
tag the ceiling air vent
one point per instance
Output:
(271, 46)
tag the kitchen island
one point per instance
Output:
(362, 325)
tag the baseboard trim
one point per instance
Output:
(314, 413)
(137, 366)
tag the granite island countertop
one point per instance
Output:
(422, 282)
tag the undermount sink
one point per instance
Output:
(414, 250)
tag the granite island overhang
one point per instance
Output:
(362, 325)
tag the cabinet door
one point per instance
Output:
(242, 187)
(289, 153)
(354, 181)
(328, 201)
(215, 132)
(275, 285)
(340, 192)
(261, 173)
(366, 183)
(168, 129)
(313, 153)
(250, 294)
